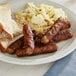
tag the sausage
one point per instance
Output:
(66, 23)
(63, 35)
(15, 45)
(51, 33)
(24, 52)
(28, 38)
(59, 25)
(21, 52)
(49, 48)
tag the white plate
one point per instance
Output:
(64, 48)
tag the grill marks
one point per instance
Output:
(63, 35)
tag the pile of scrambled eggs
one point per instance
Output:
(40, 17)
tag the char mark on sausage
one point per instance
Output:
(63, 35)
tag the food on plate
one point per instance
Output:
(43, 48)
(52, 32)
(38, 50)
(15, 45)
(28, 36)
(63, 35)
(28, 39)
(39, 26)
(4, 41)
(66, 24)
(8, 27)
(3, 45)
(5, 21)
(17, 30)
(40, 17)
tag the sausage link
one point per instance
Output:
(15, 45)
(56, 28)
(63, 35)
(49, 48)
(66, 24)
(28, 38)
(21, 52)
(51, 33)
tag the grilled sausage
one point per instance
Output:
(51, 47)
(28, 38)
(56, 28)
(66, 24)
(63, 35)
(15, 45)
(51, 33)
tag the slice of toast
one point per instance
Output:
(4, 42)
(5, 20)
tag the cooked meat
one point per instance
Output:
(28, 38)
(63, 35)
(15, 45)
(38, 50)
(66, 24)
(51, 33)
(56, 28)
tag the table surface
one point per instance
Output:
(37, 70)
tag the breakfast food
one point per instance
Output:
(51, 33)
(28, 39)
(17, 44)
(5, 21)
(28, 36)
(4, 41)
(66, 24)
(8, 27)
(63, 35)
(38, 50)
(40, 17)
(41, 27)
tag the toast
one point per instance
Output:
(4, 42)
(5, 20)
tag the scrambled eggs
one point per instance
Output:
(40, 17)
